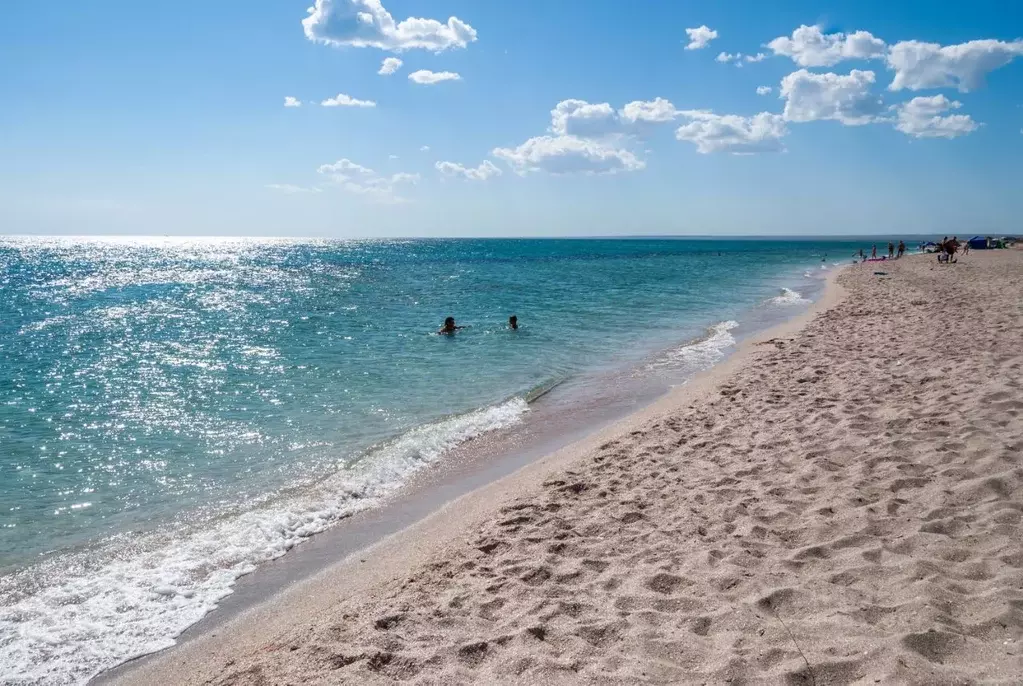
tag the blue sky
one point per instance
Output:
(566, 118)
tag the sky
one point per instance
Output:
(378, 118)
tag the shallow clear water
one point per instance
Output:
(175, 411)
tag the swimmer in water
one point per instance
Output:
(449, 327)
(513, 323)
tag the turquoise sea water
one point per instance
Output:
(175, 411)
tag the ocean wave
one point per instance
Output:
(789, 297)
(77, 619)
(703, 353)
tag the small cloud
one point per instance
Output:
(580, 118)
(389, 66)
(428, 78)
(392, 157)
(700, 37)
(567, 154)
(922, 118)
(343, 100)
(292, 102)
(425, 148)
(810, 47)
(657, 110)
(367, 24)
(738, 58)
(484, 171)
(360, 180)
(732, 133)
(843, 98)
(763, 90)
(290, 189)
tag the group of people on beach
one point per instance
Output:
(449, 327)
(892, 254)
(946, 249)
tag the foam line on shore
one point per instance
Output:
(134, 604)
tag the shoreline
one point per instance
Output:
(840, 504)
(350, 568)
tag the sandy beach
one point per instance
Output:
(840, 502)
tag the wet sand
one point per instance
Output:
(839, 502)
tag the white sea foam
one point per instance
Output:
(79, 620)
(701, 354)
(789, 297)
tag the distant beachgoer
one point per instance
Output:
(966, 247)
(891, 250)
(902, 249)
(862, 256)
(873, 252)
(513, 323)
(449, 327)
(947, 250)
(952, 247)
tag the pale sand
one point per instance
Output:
(839, 504)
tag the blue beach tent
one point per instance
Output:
(978, 243)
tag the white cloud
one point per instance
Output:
(568, 155)
(345, 167)
(389, 66)
(809, 97)
(425, 148)
(929, 65)
(700, 37)
(292, 102)
(921, 118)
(342, 100)
(732, 133)
(428, 78)
(290, 189)
(809, 47)
(480, 173)
(392, 157)
(763, 90)
(580, 118)
(365, 23)
(657, 110)
(361, 180)
(738, 58)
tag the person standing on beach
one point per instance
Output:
(873, 252)
(513, 323)
(952, 247)
(891, 250)
(902, 249)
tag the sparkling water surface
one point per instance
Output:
(174, 411)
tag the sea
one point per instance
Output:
(176, 411)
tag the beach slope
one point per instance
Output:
(841, 503)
